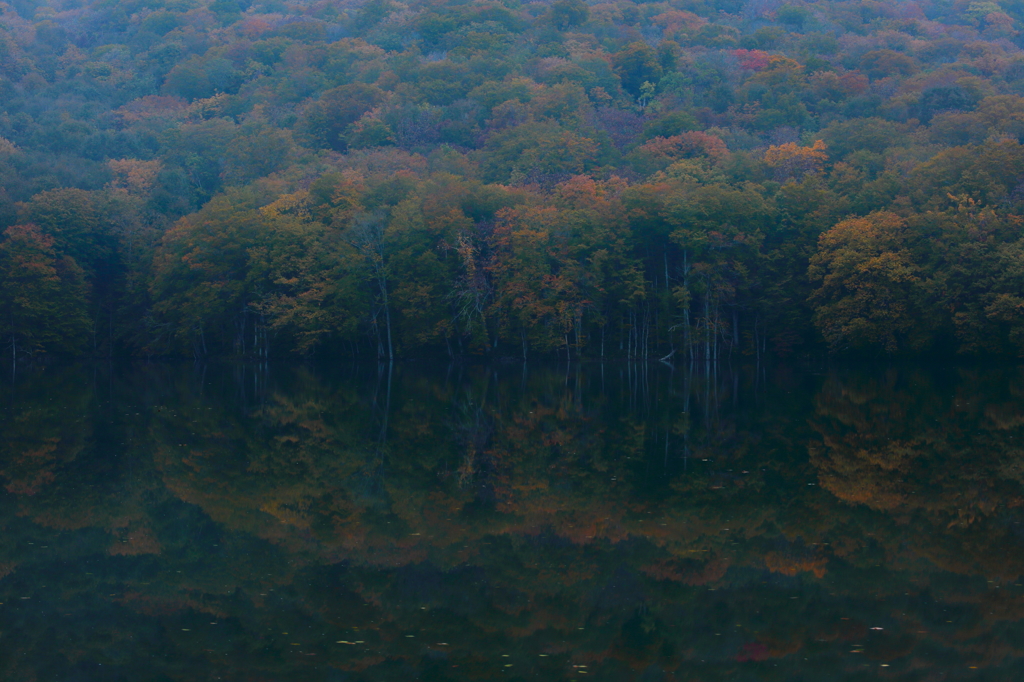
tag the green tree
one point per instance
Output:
(568, 13)
(328, 119)
(637, 64)
(43, 302)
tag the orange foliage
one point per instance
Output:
(33, 468)
(254, 26)
(134, 175)
(687, 145)
(138, 540)
(151, 106)
(753, 60)
(793, 161)
(674, 20)
(795, 565)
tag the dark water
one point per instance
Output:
(470, 523)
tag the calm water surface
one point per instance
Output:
(623, 522)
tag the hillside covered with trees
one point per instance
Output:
(705, 178)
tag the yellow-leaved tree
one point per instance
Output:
(867, 285)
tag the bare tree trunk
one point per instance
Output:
(757, 340)
(266, 340)
(579, 323)
(387, 319)
(735, 331)
(483, 326)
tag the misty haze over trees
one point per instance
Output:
(678, 179)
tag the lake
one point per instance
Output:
(512, 522)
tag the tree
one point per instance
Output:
(537, 151)
(885, 63)
(43, 298)
(868, 293)
(366, 234)
(972, 275)
(203, 284)
(792, 161)
(637, 64)
(327, 120)
(568, 13)
(74, 219)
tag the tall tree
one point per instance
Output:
(43, 301)
(868, 293)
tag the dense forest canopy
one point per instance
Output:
(619, 179)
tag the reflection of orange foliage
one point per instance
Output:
(139, 540)
(1005, 415)
(6, 568)
(163, 606)
(795, 565)
(39, 463)
(778, 648)
(30, 486)
(753, 651)
(664, 569)
(862, 475)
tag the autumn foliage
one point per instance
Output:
(384, 180)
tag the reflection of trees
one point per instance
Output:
(942, 455)
(41, 434)
(503, 510)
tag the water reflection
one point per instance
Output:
(614, 522)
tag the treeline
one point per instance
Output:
(657, 180)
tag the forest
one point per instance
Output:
(697, 179)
